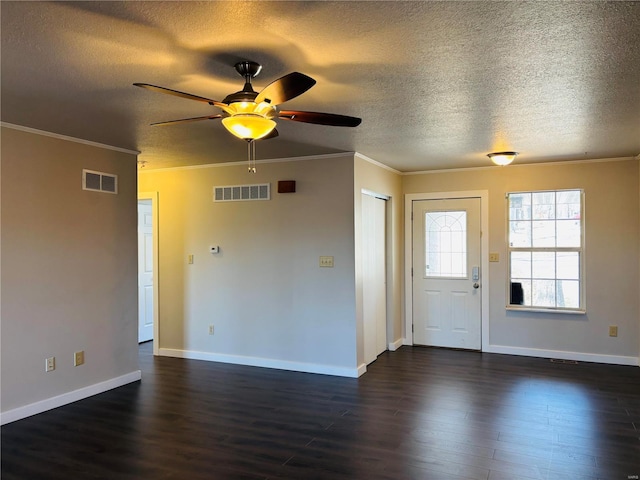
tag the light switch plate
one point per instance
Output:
(494, 257)
(326, 261)
(78, 358)
(50, 364)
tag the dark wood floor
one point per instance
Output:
(417, 413)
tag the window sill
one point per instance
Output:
(545, 310)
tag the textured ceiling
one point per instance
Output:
(437, 84)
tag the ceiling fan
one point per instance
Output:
(250, 115)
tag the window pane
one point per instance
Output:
(458, 241)
(541, 225)
(520, 206)
(568, 293)
(520, 234)
(543, 293)
(544, 233)
(544, 205)
(568, 265)
(568, 233)
(526, 290)
(544, 265)
(520, 264)
(446, 244)
(568, 204)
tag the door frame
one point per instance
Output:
(153, 196)
(389, 266)
(387, 314)
(484, 260)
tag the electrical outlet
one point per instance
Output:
(78, 358)
(50, 364)
(326, 261)
(613, 331)
(210, 329)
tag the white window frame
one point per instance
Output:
(581, 250)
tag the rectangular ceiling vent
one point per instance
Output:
(242, 193)
(99, 181)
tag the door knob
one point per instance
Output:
(476, 285)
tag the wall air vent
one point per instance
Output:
(99, 181)
(242, 193)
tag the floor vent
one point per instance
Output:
(560, 360)
(99, 181)
(242, 193)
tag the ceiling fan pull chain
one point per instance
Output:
(253, 156)
(251, 153)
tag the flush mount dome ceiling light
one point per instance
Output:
(502, 158)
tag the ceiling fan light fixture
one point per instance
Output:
(251, 115)
(249, 126)
(502, 158)
(246, 108)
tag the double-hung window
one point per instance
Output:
(546, 250)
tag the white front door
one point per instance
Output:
(145, 271)
(374, 283)
(447, 281)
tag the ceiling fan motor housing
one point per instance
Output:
(248, 70)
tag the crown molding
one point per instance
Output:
(520, 165)
(376, 163)
(67, 138)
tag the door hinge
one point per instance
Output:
(412, 271)
(411, 328)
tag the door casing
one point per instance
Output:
(374, 283)
(153, 196)
(408, 251)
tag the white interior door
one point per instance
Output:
(145, 271)
(374, 284)
(447, 306)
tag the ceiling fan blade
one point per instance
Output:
(177, 93)
(187, 120)
(320, 118)
(285, 88)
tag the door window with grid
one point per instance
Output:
(446, 244)
(546, 250)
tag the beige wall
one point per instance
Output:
(69, 272)
(612, 255)
(69, 267)
(265, 294)
(372, 177)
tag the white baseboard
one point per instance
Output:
(69, 397)
(564, 355)
(262, 362)
(393, 346)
